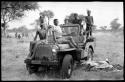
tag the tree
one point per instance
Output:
(49, 14)
(14, 10)
(14, 29)
(22, 29)
(36, 23)
(66, 20)
(103, 28)
(115, 25)
(81, 17)
(71, 17)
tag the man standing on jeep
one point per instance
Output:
(58, 35)
(89, 23)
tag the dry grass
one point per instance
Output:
(108, 45)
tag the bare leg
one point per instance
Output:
(73, 42)
(34, 49)
(68, 40)
(84, 38)
(87, 35)
(91, 33)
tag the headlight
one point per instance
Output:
(54, 54)
(54, 50)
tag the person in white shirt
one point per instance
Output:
(58, 35)
(57, 29)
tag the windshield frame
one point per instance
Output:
(69, 26)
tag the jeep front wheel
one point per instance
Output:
(31, 68)
(67, 66)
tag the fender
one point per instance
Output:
(89, 45)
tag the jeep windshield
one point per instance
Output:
(70, 30)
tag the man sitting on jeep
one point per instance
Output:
(41, 33)
(58, 35)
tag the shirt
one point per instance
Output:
(89, 20)
(58, 31)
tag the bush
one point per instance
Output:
(115, 25)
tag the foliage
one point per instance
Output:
(81, 17)
(36, 23)
(14, 10)
(14, 29)
(115, 25)
(49, 14)
(103, 28)
(22, 29)
(71, 17)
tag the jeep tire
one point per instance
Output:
(31, 68)
(67, 66)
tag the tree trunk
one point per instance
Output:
(4, 30)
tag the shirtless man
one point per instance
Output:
(42, 35)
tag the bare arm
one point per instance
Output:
(92, 20)
(53, 33)
(36, 35)
(54, 38)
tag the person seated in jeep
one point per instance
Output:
(58, 35)
(42, 35)
(41, 32)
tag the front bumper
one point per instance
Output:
(41, 62)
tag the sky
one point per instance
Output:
(102, 12)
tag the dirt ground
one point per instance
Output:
(108, 45)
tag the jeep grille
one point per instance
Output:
(43, 50)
